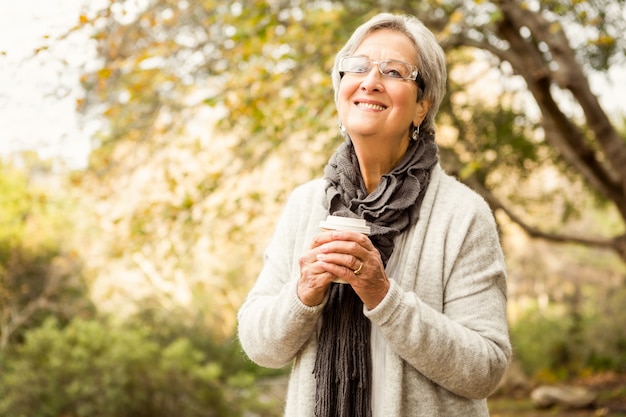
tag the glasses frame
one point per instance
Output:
(415, 73)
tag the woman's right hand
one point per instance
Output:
(314, 281)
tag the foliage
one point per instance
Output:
(261, 68)
(606, 337)
(244, 59)
(176, 198)
(22, 207)
(168, 236)
(541, 341)
(39, 275)
(173, 205)
(554, 343)
(184, 210)
(546, 45)
(91, 368)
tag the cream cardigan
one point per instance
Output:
(443, 319)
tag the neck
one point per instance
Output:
(375, 161)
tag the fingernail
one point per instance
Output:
(321, 256)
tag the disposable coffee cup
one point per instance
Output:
(347, 224)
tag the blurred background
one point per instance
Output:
(147, 148)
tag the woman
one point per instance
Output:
(420, 327)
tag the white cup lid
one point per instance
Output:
(345, 223)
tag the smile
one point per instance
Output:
(371, 106)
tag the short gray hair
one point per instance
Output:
(430, 57)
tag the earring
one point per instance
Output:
(416, 133)
(342, 129)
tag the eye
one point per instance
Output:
(358, 64)
(359, 67)
(393, 69)
(393, 73)
(355, 64)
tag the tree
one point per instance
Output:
(177, 200)
(263, 66)
(533, 38)
(39, 276)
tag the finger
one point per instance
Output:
(359, 269)
(339, 271)
(346, 247)
(322, 238)
(312, 288)
(351, 236)
(346, 260)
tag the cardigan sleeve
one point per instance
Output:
(460, 342)
(273, 324)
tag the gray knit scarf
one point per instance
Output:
(343, 362)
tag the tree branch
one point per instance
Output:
(571, 145)
(17, 318)
(570, 76)
(560, 130)
(450, 160)
(532, 231)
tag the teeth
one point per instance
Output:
(371, 106)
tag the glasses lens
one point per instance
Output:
(389, 69)
(358, 64)
(395, 69)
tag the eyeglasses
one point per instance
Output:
(388, 68)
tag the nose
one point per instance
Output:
(373, 79)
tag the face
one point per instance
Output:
(371, 106)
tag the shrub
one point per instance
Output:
(540, 341)
(89, 369)
(606, 334)
(554, 344)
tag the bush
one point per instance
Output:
(540, 340)
(89, 369)
(606, 338)
(40, 274)
(554, 344)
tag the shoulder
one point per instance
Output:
(450, 203)
(304, 205)
(314, 186)
(449, 190)
(306, 194)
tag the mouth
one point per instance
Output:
(370, 106)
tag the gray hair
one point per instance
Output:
(431, 60)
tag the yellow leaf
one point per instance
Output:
(456, 17)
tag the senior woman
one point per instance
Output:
(419, 327)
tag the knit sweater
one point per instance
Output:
(443, 318)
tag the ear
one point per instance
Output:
(421, 109)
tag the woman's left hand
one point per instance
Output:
(352, 257)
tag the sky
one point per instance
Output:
(38, 93)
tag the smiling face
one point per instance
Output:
(371, 106)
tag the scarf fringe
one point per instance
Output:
(343, 386)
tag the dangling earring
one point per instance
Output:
(342, 129)
(416, 133)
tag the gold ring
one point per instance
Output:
(358, 271)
